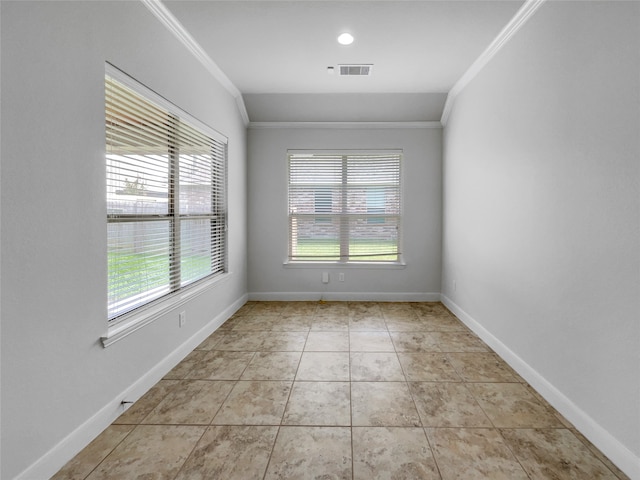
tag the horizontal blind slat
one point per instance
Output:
(344, 207)
(166, 200)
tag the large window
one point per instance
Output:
(166, 208)
(344, 207)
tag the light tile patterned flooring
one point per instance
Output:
(308, 390)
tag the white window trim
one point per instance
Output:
(148, 93)
(143, 316)
(346, 265)
(124, 325)
(398, 264)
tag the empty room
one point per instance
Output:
(320, 239)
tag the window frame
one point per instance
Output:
(343, 262)
(129, 321)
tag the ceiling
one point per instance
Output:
(277, 53)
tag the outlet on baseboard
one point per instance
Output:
(182, 319)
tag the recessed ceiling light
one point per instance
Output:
(345, 39)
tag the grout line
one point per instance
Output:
(447, 353)
(512, 452)
(195, 445)
(110, 451)
(273, 447)
(350, 398)
(433, 453)
(293, 382)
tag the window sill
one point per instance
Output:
(139, 318)
(348, 265)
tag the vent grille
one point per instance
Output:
(356, 70)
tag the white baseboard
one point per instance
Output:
(66, 449)
(618, 453)
(47, 465)
(344, 296)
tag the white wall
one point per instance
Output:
(542, 212)
(55, 373)
(267, 213)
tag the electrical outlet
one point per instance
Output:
(341, 276)
(455, 285)
(325, 277)
(182, 319)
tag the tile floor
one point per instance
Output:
(337, 390)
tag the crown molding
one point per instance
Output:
(167, 18)
(518, 20)
(344, 125)
(163, 14)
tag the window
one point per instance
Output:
(166, 200)
(323, 199)
(344, 207)
(375, 204)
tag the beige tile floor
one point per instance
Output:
(307, 390)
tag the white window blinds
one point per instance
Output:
(166, 208)
(345, 207)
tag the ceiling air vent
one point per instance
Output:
(356, 70)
